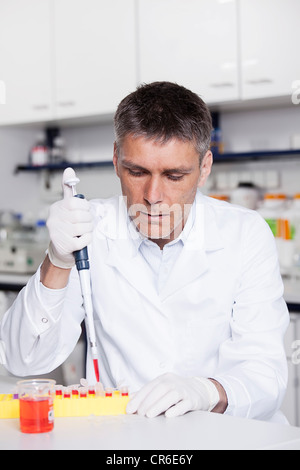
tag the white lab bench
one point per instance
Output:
(194, 431)
(291, 405)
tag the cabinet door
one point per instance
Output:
(191, 42)
(25, 60)
(95, 57)
(270, 37)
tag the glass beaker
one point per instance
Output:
(36, 405)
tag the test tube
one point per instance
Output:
(74, 391)
(58, 391)
(67, 392)
(91, 391)
(124, 391)
(109, 392)
(83, 392)
(99, 389)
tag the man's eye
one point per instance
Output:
(175, 177)
(135, 173)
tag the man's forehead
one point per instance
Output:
(142, 151)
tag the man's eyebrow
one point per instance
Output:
(181, 169)
(132, 165)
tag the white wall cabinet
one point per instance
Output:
(25, 65)
(269, 41)
(77, 58)
(65, 58)
(95, 59)
(191, 42)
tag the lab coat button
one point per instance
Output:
(45, 320)
(162, 365)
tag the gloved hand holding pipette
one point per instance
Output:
(70, 225)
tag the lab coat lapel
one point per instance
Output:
(132, 267)
(193, 260)
(122, 253)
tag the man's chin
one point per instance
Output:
(154, 233)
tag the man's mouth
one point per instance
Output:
(154, 216)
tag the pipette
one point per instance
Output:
(83, 267)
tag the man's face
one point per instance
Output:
(159, 182)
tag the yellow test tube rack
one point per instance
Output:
(72, 406)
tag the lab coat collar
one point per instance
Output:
(193, 261)
(123, 240)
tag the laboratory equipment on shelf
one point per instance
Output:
(22, 246)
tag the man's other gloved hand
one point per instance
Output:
(174, 396)
(70, 226)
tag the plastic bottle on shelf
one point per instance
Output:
(41, 232)
(291, 237)
(245, 194)
(217, 145)
(58, 152)
(220, 197)
(273, 211)
(39, 152)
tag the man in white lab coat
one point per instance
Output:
(187, 293)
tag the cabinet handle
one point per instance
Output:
(40, 107)
(259, 81)
(222, 85)
(66, 104)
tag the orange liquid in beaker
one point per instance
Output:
(36, 415)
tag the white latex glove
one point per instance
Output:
(70, 226)
(174, 395)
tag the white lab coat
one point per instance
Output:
(220, 314)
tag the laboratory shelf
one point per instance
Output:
(63, 165)
(218, 158)
(257, 155)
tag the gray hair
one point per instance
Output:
(162, 111)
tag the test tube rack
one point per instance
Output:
(72, 404)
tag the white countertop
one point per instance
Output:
(193, 431)
(197, 430)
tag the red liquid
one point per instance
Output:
(96, 368)
(36, 415)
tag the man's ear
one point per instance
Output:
(205, 168)
(115, 158)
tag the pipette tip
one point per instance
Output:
(96, 369)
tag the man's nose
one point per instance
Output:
(153, 193)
